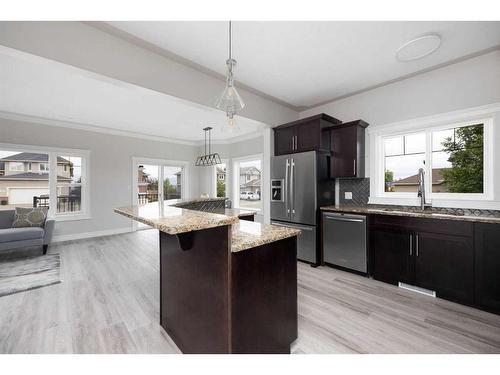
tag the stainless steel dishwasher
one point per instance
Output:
(344, 240)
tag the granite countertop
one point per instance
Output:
(249, 234)
(482, 216)
(175, 220)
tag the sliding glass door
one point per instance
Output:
(157, 182)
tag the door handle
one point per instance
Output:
(292, 182)
(411, 244)
(416, 244)
(286, 186)
(309, 229)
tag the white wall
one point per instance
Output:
(89, 48)
(470, 83)
(110, 167)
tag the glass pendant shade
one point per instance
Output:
(230, 101)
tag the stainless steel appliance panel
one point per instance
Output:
(306, 241)
(344, 241)
(280, 170)
(303, 186)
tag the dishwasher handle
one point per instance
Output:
(343, 219)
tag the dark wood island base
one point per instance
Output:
(213, 300)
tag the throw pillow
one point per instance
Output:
(30, 217)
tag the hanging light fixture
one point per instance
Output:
(208, 159)
(230, 101)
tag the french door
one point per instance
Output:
(157, 181)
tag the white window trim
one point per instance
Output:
(235, 180)
(53, 152)
(483, 115)
(213, 178)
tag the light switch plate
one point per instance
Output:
(348, 195)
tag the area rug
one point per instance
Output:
(24, 274)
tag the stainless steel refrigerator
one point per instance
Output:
(300, 185)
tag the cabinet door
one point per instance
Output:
(391, 253)
(487, 274)
(445, 263)
(284, 140)
(344, 152)
(308, 136)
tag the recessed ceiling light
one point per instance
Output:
(419, 47)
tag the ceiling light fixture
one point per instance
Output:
(230, 101)
(208, 159)
(418, 48)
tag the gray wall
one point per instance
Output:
(89, 48)
(470, 83)
(110, 167)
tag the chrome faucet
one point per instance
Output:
(421, 189)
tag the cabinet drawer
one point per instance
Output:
(451, 227)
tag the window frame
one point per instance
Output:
(227, 178)
(11, 163)
(381, 196)
(52, 153)
(235, 178)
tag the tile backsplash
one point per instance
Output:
(360, 189)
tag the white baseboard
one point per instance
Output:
(99, 233)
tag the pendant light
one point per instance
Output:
(208, 159)
(230, 101)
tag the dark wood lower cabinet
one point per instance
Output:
(438, 255)
(445, 264)
(391, 260)
(487, 261)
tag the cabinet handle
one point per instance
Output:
(354, 169)
(293, 143)
(416, 244)
(411, 244)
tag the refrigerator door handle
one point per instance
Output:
(292, 182)
(286, 187)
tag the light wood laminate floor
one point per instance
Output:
(108, 303)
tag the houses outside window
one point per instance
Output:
(220, 180)
(63, 191)
(455, 158)
(248, 172)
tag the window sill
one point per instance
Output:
(74, 217)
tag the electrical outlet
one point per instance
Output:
(348, 195)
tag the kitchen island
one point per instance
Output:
(226, 285)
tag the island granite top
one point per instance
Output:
(248, 234)
(175, 220)
(481, 216)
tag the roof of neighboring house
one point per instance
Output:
(247, 170)
(32, 176)
(252, 183)
(31, 156)
(437, 178)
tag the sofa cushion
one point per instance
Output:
(6, 218)
(20, 234)
(30, 217)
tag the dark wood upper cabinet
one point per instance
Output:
(308, 134)
(487, 266)
(348, 150)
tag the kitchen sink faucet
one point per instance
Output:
(421, 189)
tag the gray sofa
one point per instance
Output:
(14, 238)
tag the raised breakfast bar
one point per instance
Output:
(227, 284)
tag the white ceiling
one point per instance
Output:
(33, 86)
(307, 63)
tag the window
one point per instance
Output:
(63, 192)
(452, 157)
(16, 166)
(220, 180)
(249, 183)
